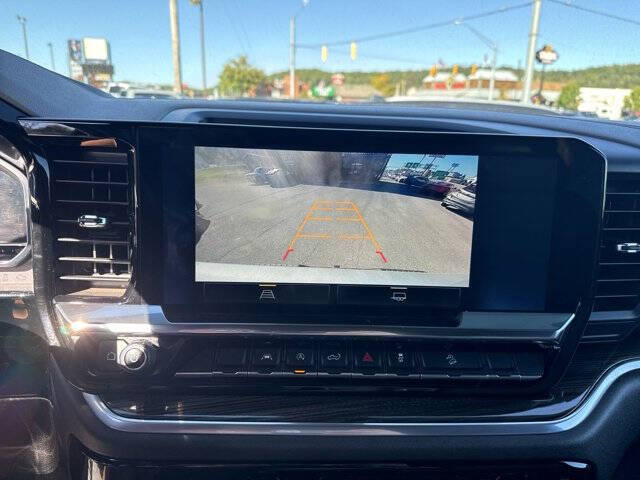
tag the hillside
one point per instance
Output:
(611, 76)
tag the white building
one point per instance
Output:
(604, 102)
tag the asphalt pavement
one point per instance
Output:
(380, 226)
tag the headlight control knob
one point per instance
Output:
(138, 357)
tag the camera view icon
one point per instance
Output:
(267, 295)
(399, 296)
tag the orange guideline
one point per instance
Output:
(330, 205)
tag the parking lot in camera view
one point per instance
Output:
(376, 225)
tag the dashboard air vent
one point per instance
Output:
(619, 275)
(93, 215)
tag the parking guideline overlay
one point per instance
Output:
(333, 206)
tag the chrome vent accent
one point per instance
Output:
(619, 275)
(93, 219)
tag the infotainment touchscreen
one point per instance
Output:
(290, 216)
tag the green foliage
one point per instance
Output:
(608, 76)
(632, 101)
(312, 76)
(412, 78)
(238, 77)
(569, 96)
(382, 83)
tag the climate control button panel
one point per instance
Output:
(357, 359)
(229, 360)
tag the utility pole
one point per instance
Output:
(292, 57)
(23, 22)
(531, 51)
(53, 61)
(292, 50)
(492, 81)
(542, 80)
(199, 3)
(175, 46)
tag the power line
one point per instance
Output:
(596, 12)
(244, 32)
(235, 29)
(421, 28)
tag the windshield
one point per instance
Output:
(552, 56)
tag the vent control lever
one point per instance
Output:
(92, 221)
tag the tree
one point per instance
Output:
(239, 77)
(632, 101)
(382, 83)
(569, 96)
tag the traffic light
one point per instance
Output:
(324, 53)
(454, 70)
(433, 71)
(474, 69)
(353, 51)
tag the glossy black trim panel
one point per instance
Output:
(150, 319)
(479, 429)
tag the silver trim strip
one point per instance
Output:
(187, 427)
(150, 320)
(44, 128)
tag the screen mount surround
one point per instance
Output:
(550, 182)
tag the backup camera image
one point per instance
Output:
(285, 216)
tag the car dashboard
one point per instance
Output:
(136, 351)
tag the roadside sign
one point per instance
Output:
(547, 55)
(337, 79)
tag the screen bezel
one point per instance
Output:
(158, 207)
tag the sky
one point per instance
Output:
(468, 164)
(139, 33)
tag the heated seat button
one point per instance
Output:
(265, 354)
(450, 360)
(333, 356)
(368, 357)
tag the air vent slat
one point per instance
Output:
(97, 278)
(93, 202)
(93, 241)
(94, 260)
(619, 273)
(92, 183)
(75, 222)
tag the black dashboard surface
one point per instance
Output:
(602, 438)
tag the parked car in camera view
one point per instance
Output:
(416, 181)
(437, 188)
(463, 200)
(262, 175)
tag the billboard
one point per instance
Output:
(74, 48)
(95, 50)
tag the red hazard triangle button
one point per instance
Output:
(367, 358)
